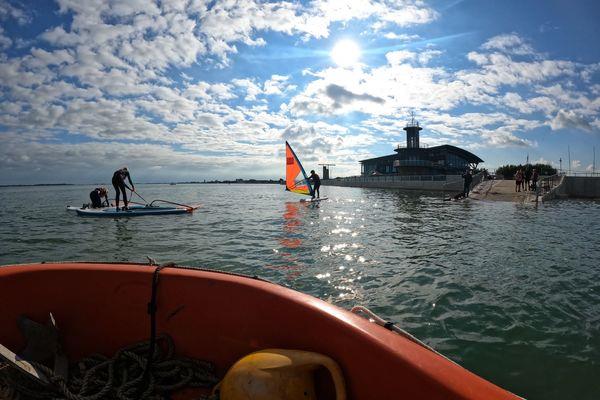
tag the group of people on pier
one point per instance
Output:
(526, 180)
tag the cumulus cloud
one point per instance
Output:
(497, 81)
(569, 119)
(227, 22)
(5, 41)
(399, 13)
(402, 37)
(251, 88)
(425, 56)
(398, 57)
(501, 138)
(277, 85)
(317, 142)
(156, 78)
(10, 11)
(341, 96)
(509, 43)
(58, 163)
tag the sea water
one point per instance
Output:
(509, 291)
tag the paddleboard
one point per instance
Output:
(314, 200)
(132, 211)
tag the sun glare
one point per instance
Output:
(345, 53)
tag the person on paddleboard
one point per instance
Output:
(96, 196)
(316, 183)
(118, 181)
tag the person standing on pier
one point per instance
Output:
(534, 179)
(518, 180)
(527, 178)
(467, 184)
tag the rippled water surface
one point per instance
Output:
(509, 291)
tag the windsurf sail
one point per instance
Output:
(295, 178)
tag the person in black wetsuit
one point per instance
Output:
(467, 185)
(316, 182)
(118, 181)
(96, 196)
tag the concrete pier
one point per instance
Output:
(442, 183)
(553, 187)
(556, 186)
(501, 190)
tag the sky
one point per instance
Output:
(180, 90)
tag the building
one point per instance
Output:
(415, 160)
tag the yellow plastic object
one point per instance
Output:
(278, 374)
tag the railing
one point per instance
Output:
(546, 184)
(477, 179)
(592, 174)
(391, 178)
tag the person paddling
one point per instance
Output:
(96, 196)
(118, 181)
(316, 182)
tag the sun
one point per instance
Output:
(345, 53)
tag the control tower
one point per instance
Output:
(412, 133)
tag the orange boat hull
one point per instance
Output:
(220, 317)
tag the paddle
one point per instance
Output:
(133, 191)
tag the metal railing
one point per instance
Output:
(392, 178)
(590, 174)
(477, 179)
(546, 185)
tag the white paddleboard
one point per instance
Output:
(314, 200)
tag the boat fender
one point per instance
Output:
(278, 374)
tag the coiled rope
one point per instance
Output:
(123, 377)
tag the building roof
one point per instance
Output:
(467, 155)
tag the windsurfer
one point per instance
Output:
(118, 181)
(316, 183)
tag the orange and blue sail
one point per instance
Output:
(295, 178)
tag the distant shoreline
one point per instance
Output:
(236, 181)
(42, 184)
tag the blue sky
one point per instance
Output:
(191, 90)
